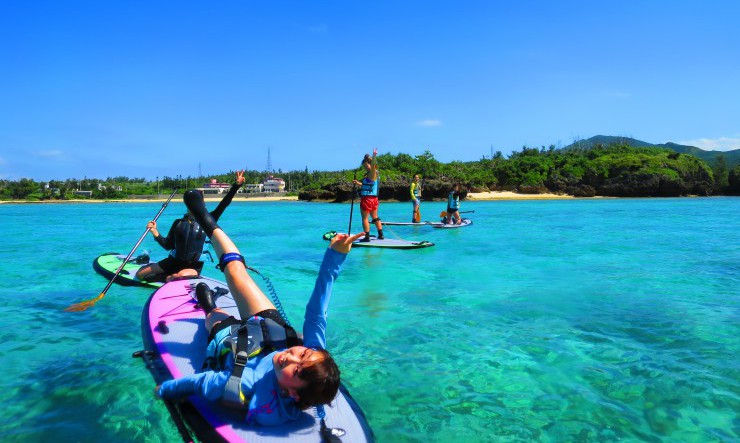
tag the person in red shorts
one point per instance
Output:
(369, 195)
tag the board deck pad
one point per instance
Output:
(386, 243)
(424, 223)
(463, 222)
(174, 332)
(107, 265)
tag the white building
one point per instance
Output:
(254, 187)
(214, 187)
(102, 187)
(274, 184)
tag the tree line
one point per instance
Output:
(615, 170)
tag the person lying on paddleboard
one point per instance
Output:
(416, 199)
(276, 374)
(453, 206)
(185, 242)
(369, 187)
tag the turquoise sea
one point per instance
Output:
(571, 320)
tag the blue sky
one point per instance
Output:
(155, 88)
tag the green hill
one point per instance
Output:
(731, 157)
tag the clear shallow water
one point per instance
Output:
(601, 320)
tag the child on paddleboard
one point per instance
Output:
(185, 241)
(275, 374)
(369, 187)
(453, 206)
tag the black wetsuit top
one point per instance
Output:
(187, 238)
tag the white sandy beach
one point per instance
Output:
(508, 195)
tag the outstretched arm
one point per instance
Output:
(314, 324)
(216, 213)
(374, 164)
(209, 385)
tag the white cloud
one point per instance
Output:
(714, 144)
(429, 123)
(49, 153)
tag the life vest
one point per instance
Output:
(416, 189)
(453, 201)
(247, 340)
(189, 241)
(369, 187)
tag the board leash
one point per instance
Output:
(273, 295)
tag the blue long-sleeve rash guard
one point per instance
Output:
(266, 405)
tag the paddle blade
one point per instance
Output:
(83, 305)
(443, 214)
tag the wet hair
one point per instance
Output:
(322, 381)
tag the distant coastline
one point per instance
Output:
(151, 200)
(472, 196)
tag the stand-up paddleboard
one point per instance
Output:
(463, 222)
(425, 223)
(175, 336)
(387, 243)
(107, 265)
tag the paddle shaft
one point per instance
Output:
(136, 246)
(352, 207)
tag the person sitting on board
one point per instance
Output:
(276, 374)
(453, 206)
(369, 187)
(416, 199)
(185, 242)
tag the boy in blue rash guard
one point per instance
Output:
(274, 386)
(453, 206)
(185, 241)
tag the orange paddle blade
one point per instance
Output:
(81, 306)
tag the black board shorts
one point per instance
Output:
(171, 265)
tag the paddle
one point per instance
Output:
(352, 208)
(81, 306)
(444, 213)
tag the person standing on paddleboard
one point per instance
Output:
(185, 242)
(369, 187)
(275, 374)
(416, 199)
(453, 205)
